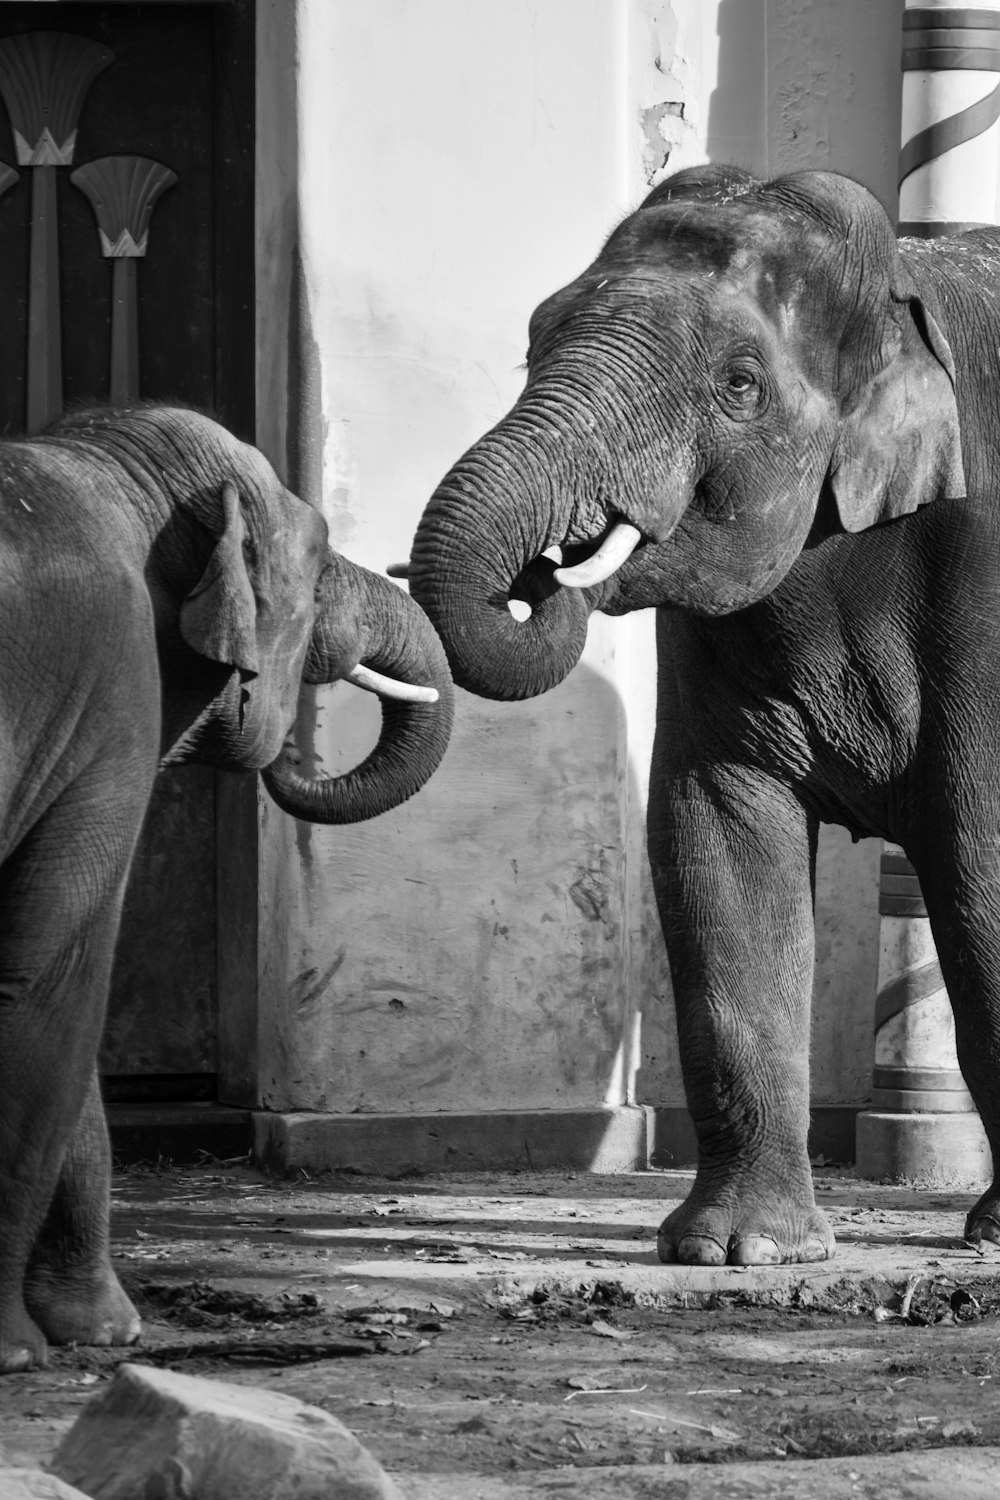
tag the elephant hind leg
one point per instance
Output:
(959, 881)
(983, 1222)
(60, 902)
(23, 1345)
(50, 1021)
(70, 1288)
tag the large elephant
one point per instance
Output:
(782, 429)
(163, 595)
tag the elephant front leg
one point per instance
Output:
(732, 868)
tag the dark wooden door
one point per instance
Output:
(178, 90)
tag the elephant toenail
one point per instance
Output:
(701, 1250)
(666, 1249)
(754, 1250)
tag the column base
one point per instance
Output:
(927, 1150)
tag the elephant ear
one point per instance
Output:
(899, 447)
(219, 617)
(897, 444)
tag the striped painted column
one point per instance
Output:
(922, 1125)
(949, 164)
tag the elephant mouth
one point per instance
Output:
(586, 567)
(298, 786)
(387, 689)
(574, 565)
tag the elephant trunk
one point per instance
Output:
(369, 630)
(478, 547)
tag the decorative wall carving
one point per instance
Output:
(44, 80)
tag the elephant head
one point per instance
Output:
(743, 365)
(249, 600)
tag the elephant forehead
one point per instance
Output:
(711, 236)
(279, 514)
(778, 261)
(685, 315)
(310, 531)
(296, 537)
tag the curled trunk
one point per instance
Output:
(364, 618)
(478, 547)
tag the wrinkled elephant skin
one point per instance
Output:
(760, 414)
(162, 595)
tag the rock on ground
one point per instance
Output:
(33, 1484)
(158, 1435)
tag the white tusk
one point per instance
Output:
(388, 687)
(619, 544)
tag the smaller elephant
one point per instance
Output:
(759, 413)
(162, 597)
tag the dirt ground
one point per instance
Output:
(520, 1325)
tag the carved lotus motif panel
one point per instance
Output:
(126, 237)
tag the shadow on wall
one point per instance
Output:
(804, 85)
(470, 951)
(737, 110)
(493, 946)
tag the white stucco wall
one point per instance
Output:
(461, 160)
(492, 944)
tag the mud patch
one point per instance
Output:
(916, 1300)
(197, 1304)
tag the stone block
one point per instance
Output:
(158, 1435)
(612, 1139)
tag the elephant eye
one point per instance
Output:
(741, 390)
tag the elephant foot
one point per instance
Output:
(73, 1308)
(701, 1232)
(983, 1224)
(22, 1343)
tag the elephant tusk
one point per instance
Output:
(388, 687)
(619, 544)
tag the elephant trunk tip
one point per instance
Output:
(506, 639)
(411, 745)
